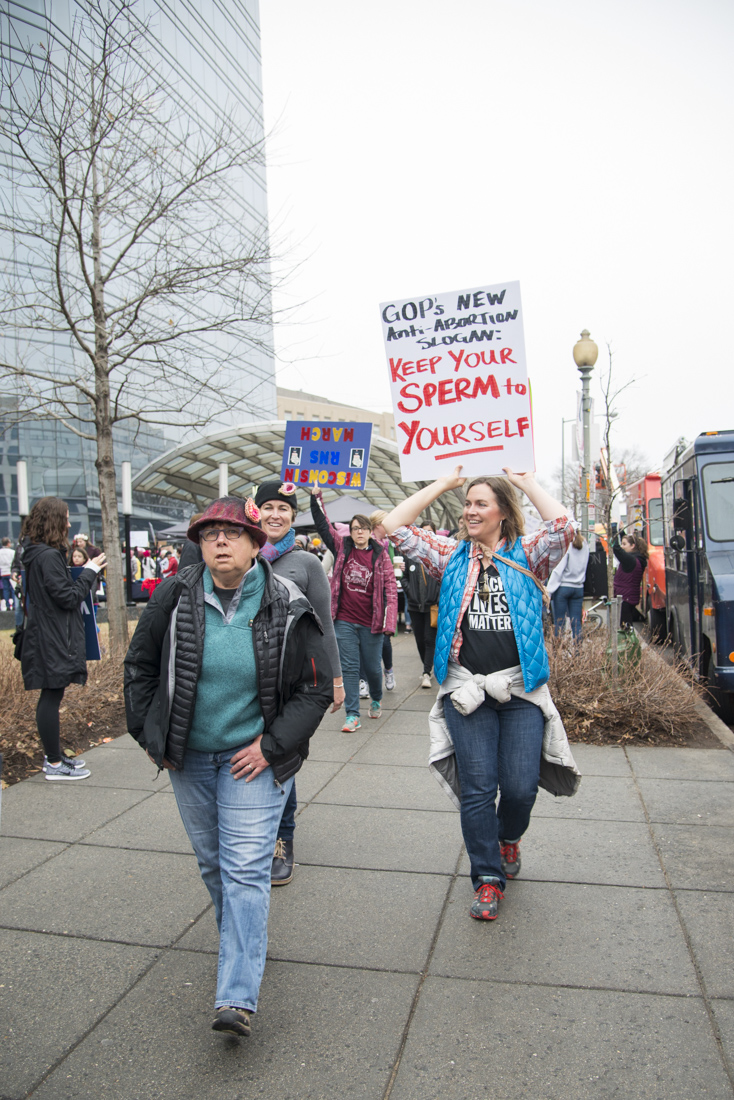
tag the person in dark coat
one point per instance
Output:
(421, 593)
(54, 648)
(631, 552)
(226, 679)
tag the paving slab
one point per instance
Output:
(599, 798)
(152, 826)
(18, 855)
(334, 722)
(145, 898)
(378, 839)
(611, 853)
(320, 1032)
(63, 811)
(407, 751)
(724, 1014)
(600, 759)
(49, 999)
(518, 1042)
(365, 924)
(695, 857)
(709, 920)
(567, 934)
(314, 776)
(420, 703)
(386, 786)
(332, 744)
(681, 802)
(112, 765)
(413, 723)
(661, 762)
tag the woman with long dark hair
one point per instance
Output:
(493, 717)
(54, 649)
(632, 553)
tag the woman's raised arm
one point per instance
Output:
(408, 510)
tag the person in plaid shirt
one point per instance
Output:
(490, 633)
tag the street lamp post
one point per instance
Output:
(585, 354)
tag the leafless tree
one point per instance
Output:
(613, 486)
(136, 292)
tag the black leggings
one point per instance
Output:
(47, 720)
(424, 634)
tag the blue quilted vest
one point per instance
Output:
(526, 611)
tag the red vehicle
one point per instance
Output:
(645, 515)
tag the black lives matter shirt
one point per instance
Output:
(488, 640)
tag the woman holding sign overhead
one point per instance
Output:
(493, 715)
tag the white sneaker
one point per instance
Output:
(426, 680)
(64, 770)
(389, 679)
(364, 691)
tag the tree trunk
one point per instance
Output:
(105, 463)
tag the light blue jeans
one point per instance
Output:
(232, 826)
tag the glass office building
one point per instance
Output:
(207, 55)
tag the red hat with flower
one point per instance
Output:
(231, 512)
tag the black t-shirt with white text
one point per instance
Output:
(488, 640)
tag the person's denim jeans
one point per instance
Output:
(569, 601)
(287, 826)
(496, 746)
(358, 645)
(232, 826)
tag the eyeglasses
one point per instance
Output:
(211, 534)
(356, 530)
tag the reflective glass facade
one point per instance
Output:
(208, 56)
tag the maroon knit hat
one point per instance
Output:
(231, 512)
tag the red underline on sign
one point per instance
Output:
(473, 451)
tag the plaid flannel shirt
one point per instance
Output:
(543, 549)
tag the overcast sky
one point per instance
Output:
(582, 148)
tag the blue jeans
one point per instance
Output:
(288, 821)
(496, 746)
(8, 594)
(567, 601)
(232, 826)
(358, 645)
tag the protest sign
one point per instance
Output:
(459, 382)
(326, 452)
(91, 636)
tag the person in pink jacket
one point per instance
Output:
(364, 606)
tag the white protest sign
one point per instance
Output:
(459, 382)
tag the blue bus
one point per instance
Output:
(698, 517)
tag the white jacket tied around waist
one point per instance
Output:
(558, 772)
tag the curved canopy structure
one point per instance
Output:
(253, 453)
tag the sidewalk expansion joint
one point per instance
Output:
(727, 1065)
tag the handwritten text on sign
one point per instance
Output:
(459, 382)
(318, 452)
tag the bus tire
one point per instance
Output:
(656, 620)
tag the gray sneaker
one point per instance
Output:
(364, 691)
(65, 770)
(74, 761)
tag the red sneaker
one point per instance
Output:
(486, 902)
(510, 855)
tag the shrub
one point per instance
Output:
(652, 699)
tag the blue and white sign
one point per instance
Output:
(326, 452)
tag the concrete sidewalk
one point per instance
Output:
(609, 972)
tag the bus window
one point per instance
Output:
(655, 523)
(718, 495)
